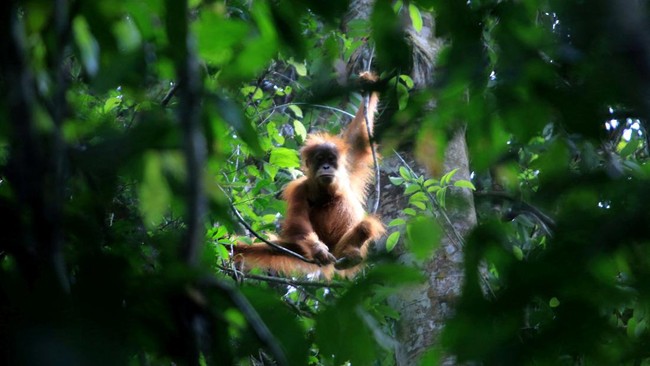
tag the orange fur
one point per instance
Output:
(325, 218)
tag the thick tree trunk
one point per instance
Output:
(425, 308)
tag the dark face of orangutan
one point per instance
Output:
(324, 164)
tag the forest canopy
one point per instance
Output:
(140, 139)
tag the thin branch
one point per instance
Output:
(168, 97)
(258, 236)
(458, 238)
(458, 241)
(374, 156)
(281, 280)
(272, 109)
(546, 221)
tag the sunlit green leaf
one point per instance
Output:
(154, 192)
(300, 130)
(296, 110)
(630, 147)
(419, 204)
(416, 17)
(284, 158)
(112, 103)
(447, 177)
(424, 235)
(464, 184)
(88, 47)
(396, 222)
(405, 173)
(409, 211)
(301, 68)
(127, 34)
(441, 195)
(419, 196)
(392, 240)
(412, 188)
(408, 81)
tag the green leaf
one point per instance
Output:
(221, 251)
(301, 68)
(416, 17)
(274, 133)
(218, 39)
(631, 327)
(411, 188)
(396, 222)
(154, 193)
(252, 89)
(419, 205)
(409, 211)
(271, 170)
(397, 5)
(396, 181)
(464, 184)
(88, 46)
(419, 196)
(519, 254)
(430, 182)
(392, 240)
(283, 157)
(424, 235)
(408, 81)
(554, 302)
(405, 174)
(441, 196)
(111, 103)
(300, 130)
(630, 147)
(640, 328)
(296, 110)
(447, 177)
(402, 96)
(127, 35)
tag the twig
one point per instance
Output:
(458, 241)
(281, 280)
(458, 238)
(258, 236)
(546, 221)
(168, 97)
(272, 109)
(374, 156)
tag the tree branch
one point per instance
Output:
(280, 280)
(258, 236)
(546, 221)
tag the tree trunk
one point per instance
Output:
(425, 308)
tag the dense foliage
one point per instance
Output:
(135, 132)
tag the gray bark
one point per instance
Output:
(424, 308)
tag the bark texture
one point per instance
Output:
(424, 308)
